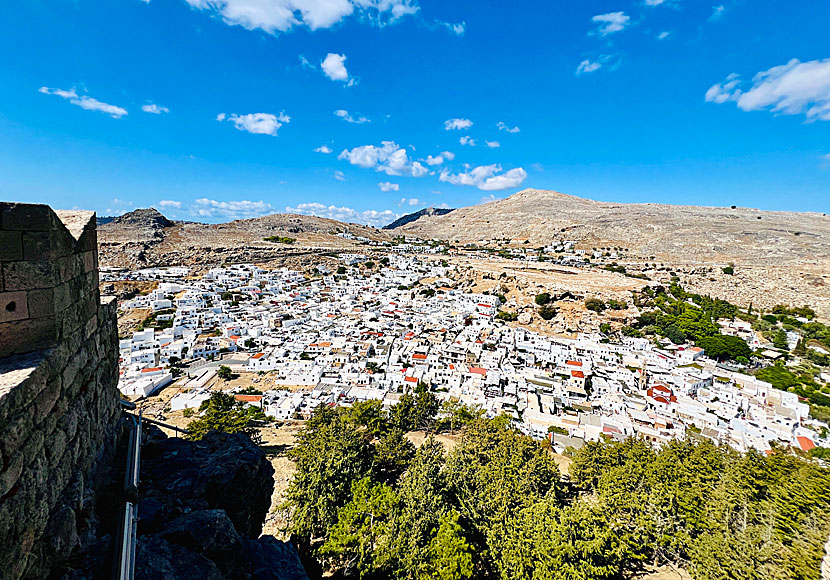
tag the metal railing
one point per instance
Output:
(126, 548)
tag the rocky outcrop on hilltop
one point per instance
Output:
(411, 217)
(149, 218)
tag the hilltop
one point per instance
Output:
(145, 237)
(411, 217)
(778, 256)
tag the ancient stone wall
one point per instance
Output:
(58, 384)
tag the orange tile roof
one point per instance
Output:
(805, 443)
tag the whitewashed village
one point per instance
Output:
(337, 338)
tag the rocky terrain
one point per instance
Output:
(201, 509)
(411, 217)
(779, 257)
(145, 238)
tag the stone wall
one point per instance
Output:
(58, 385)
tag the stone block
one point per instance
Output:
(15, 431)
(10, 476)
(46, 400)
(13, 306)
(11, 246)
(41, 302)
(39, 246)
(23, 336)
(57, 445)
(27, 275)
(89, 261)
(27, 217)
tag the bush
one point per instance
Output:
(222, 412)
(595, 304)
(542, 299)
(547, 312)
(280, 239)
(724, 347)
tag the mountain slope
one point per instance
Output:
(780, 257)
(691, 232)
(146, 238)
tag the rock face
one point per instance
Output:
(411, 217)
(150, 218)
(201, 509)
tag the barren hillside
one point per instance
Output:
(145, 238)
(779, 256)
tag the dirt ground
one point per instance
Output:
(448, 441)
(665, 573)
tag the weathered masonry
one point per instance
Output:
(58, 384)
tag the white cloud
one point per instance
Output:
(418, 170)
(339, 176)
(448, 155)
(170, 204)
(230, 210)
(611, 22)
(717, 12)
(492, 144)
(275, 16)
(451, 124)
(488, 198)
(345, 214)
(346, 116)
(654, 2)
(258, 123)
(505, 127)
(486, 177)
(85, 102)
(725, 91)
(154, 109)
(467, 140)
(410, 201)
(323, 149)
(437, 160)
(333, 66)
(587, 67)
(609, 62)
(386, 186)
(795, 88)
(457, 28)
(388, 158)
(119, 206)
(663, 35)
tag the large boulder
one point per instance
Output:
(201, 508)
(222, 471)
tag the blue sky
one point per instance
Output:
(365, 109)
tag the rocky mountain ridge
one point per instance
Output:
(411, 217)
(146, 238)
